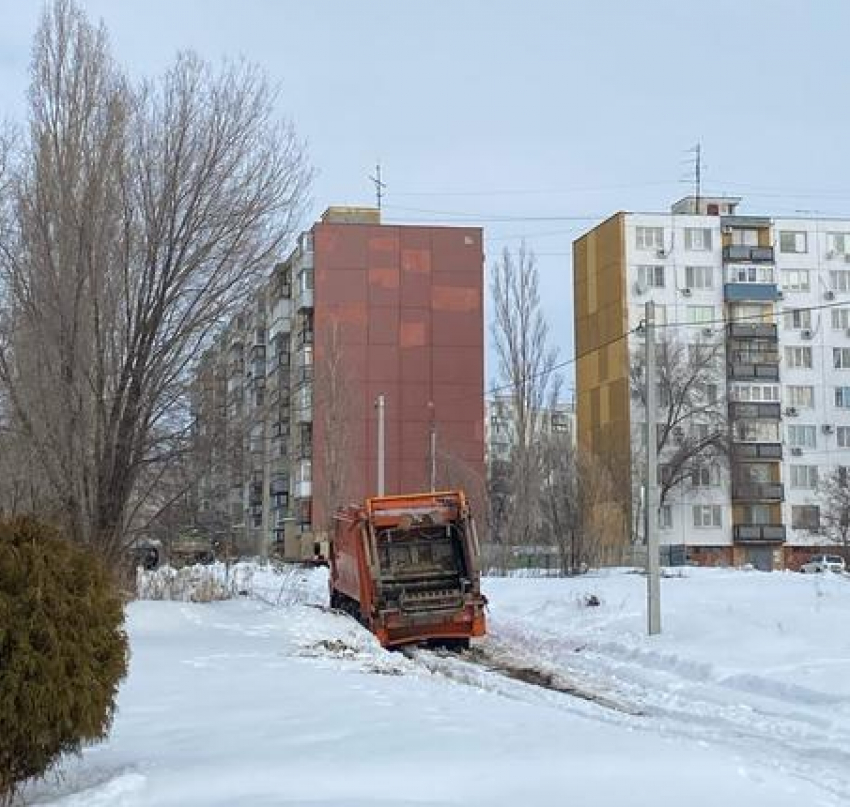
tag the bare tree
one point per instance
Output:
(691, 423)
(141, 217)
(332, 392)
(834, 489)
(526, 368)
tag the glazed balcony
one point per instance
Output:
(734, 253)
(752, 330)
(768, 492)
(745, 452)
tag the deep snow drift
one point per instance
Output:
(272, 700)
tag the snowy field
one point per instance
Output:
(270, 699)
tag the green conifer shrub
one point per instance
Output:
(63, 650)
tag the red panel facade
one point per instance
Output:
(407, 304)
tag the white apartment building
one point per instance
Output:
(776, 291)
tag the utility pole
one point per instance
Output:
(432, 447)
(379, 185)
(653, 572)
(697, 177)
(380, 406)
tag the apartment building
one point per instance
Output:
(558, 419)
(775, 292)
(285, 397)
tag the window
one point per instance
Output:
(751, 274)
(801, 436)
(698, 239)
(756, 514)
(707, 515)
(699, 277)
(798, 357)
(839, 279)
(797, 319)
(305, 280)
(795, 280)
(708, 476)
(745, 238)
(665, 517)
(842, 397)
(805, 517)
(649, 237)
(757, 431)
(755, 392)
(792, 241)
(801, 397)
(700, 314)
(841, 358)
(843, 435)
(839, 243)
(709, 391)
(804, 476)
(651, 276)
(840, 319)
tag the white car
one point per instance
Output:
(824, 563)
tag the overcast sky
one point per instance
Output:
(532, 119)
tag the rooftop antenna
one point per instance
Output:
(379, 185)
(696, 163)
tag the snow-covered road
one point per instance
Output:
(744, 699)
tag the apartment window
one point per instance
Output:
(700, 314)
(757, 431)
(840, 319)
(665, 517)
(800, 436)
(755, 392)
(796, 280)
(805, 517)
(798, 319)
(651, 276)
(842, 397)
(699, 277)
(804, 476)
(841, 358)
(707, 515)
(745, 238)
(698, 239)
(839, 279)
(305, 280)
(839, 243)
(751, 274)
(801, 397)
(708, 476)
(756, 514)
(700, 431)
(649, 237)
(798, 357)
(710, 392)
(842, 434)
(793, 241)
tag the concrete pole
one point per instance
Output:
(380, 404)
(653, 572)
(432, 447)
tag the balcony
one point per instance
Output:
(305, 299)
(758, 491)
(756, 451)
(746, 292)
(743, 410)
(734, 253)
(758, 533)
(752, 330)
(303, 489)
(748, 371)
(279, 485)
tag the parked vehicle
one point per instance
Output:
(824, 563)
(407, 567)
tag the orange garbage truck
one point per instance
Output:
(407, 567)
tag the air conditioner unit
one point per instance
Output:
(660, 253)
(791, 411)
(686, 292)
(639, 287)
(847, 258)
(780, 295)
(830, 253)
(707, 332)
(805, 333)
(829, 294)
(847, 332)
(797, 452)
(827, 428)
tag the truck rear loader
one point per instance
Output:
(407, 567)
